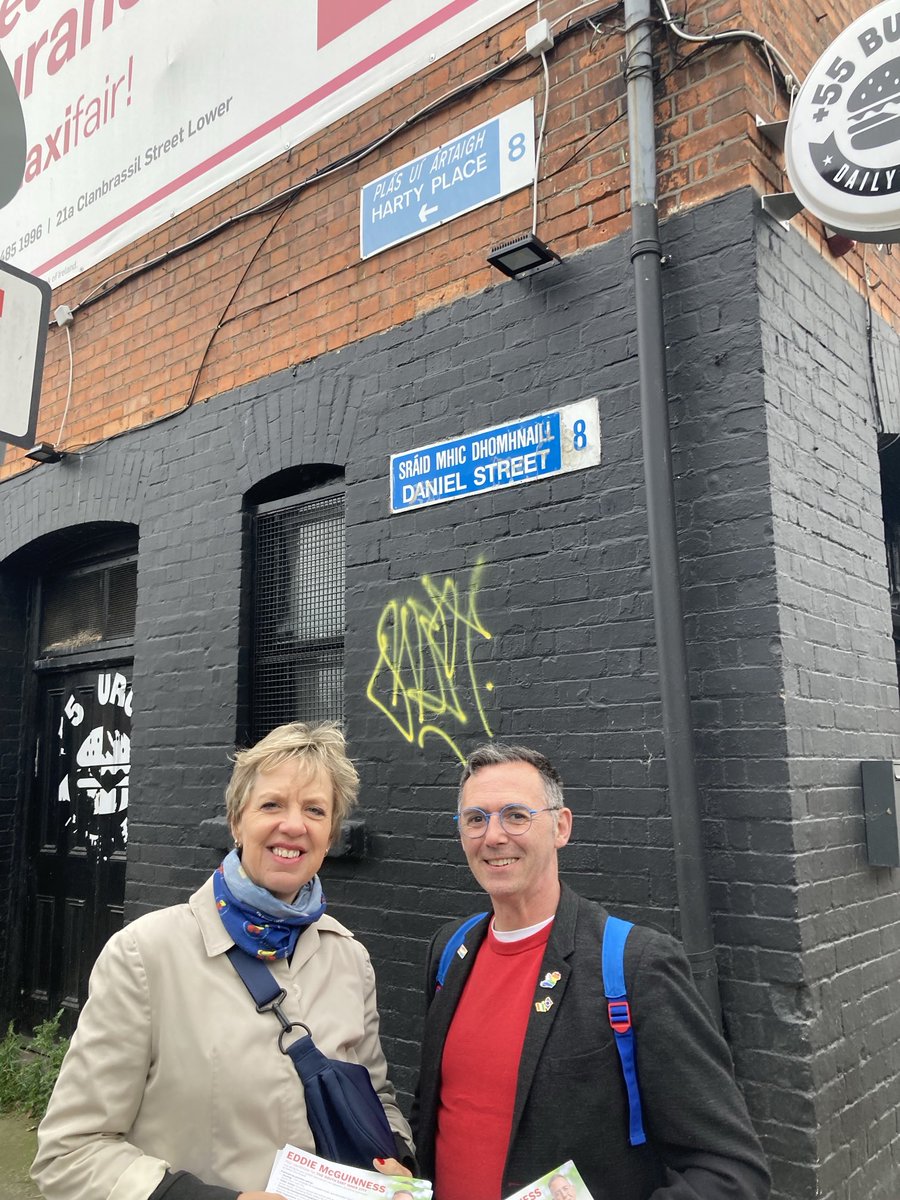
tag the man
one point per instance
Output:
(519, 1068)
(561, 1188)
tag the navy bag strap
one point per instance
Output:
(456, 939)
(258, 979)
(615, 935)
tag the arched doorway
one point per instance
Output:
(76, 793)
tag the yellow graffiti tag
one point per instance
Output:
(426, 667)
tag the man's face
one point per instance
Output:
(561, 1188)
(518, 871)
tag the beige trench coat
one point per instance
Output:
(171, 1066)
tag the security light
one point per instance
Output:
(45, 452)
(522, 256)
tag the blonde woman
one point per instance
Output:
(174, 1085)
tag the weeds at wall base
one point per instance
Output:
(29, 1067)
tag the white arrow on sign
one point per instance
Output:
(24, 318)
(425, 212)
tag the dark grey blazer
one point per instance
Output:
(570, 1098)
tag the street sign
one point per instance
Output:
(487, 162)
(24, 317)
(536, 447)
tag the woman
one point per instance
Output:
(174, 1085)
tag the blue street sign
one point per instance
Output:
(492, 160)
(535, 447)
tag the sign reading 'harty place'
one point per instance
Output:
(843, 138)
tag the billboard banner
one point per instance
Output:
(135, 110)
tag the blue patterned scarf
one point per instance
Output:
(259, 922)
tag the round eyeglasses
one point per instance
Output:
(513, 818)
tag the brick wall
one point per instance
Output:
(840, 685)
(13, 655)
(279, 289)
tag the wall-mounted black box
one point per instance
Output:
(881, 791)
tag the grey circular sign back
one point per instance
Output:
(12, 137)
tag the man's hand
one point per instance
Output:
(389, 1166)
(260, 1196)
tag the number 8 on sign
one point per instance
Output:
(516, 147)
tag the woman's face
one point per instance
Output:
(284, 828)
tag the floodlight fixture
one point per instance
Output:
(45, 452)
(522, 256)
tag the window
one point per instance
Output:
(88, 607)
(297, 663)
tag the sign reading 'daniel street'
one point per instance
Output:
(492, 160)
(548, 443)
(843, 137)
(24, 316)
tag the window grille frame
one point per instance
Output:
(297, 675)
(102, 566)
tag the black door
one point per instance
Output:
(77, 835)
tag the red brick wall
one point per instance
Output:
(274, 290)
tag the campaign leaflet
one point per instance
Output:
(300, 1175)
(563, 1183)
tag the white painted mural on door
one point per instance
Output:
(95, 785)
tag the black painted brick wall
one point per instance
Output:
(840, 685)
(13, 601)
(545, 593)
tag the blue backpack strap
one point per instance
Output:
(615, 934)
(455, 941)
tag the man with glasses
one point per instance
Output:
(561, 1188)
(519, 1069)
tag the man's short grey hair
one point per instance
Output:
(493, 754)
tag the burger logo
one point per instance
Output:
(874, 108)
(843, 138)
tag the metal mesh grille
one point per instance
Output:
(83, 608)
(298, 641)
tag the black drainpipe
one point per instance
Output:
(678, 733)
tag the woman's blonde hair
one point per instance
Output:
(318, 747)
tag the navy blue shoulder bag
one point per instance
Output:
(346, 1117)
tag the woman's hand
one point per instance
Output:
(389, 1166)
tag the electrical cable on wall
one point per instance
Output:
(790, 76)
(870, 343)
(237, 288)
(62, 424)
(284, 200)
(120, 278)
(113, 282)
(540, 143)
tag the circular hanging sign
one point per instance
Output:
(843, 137)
